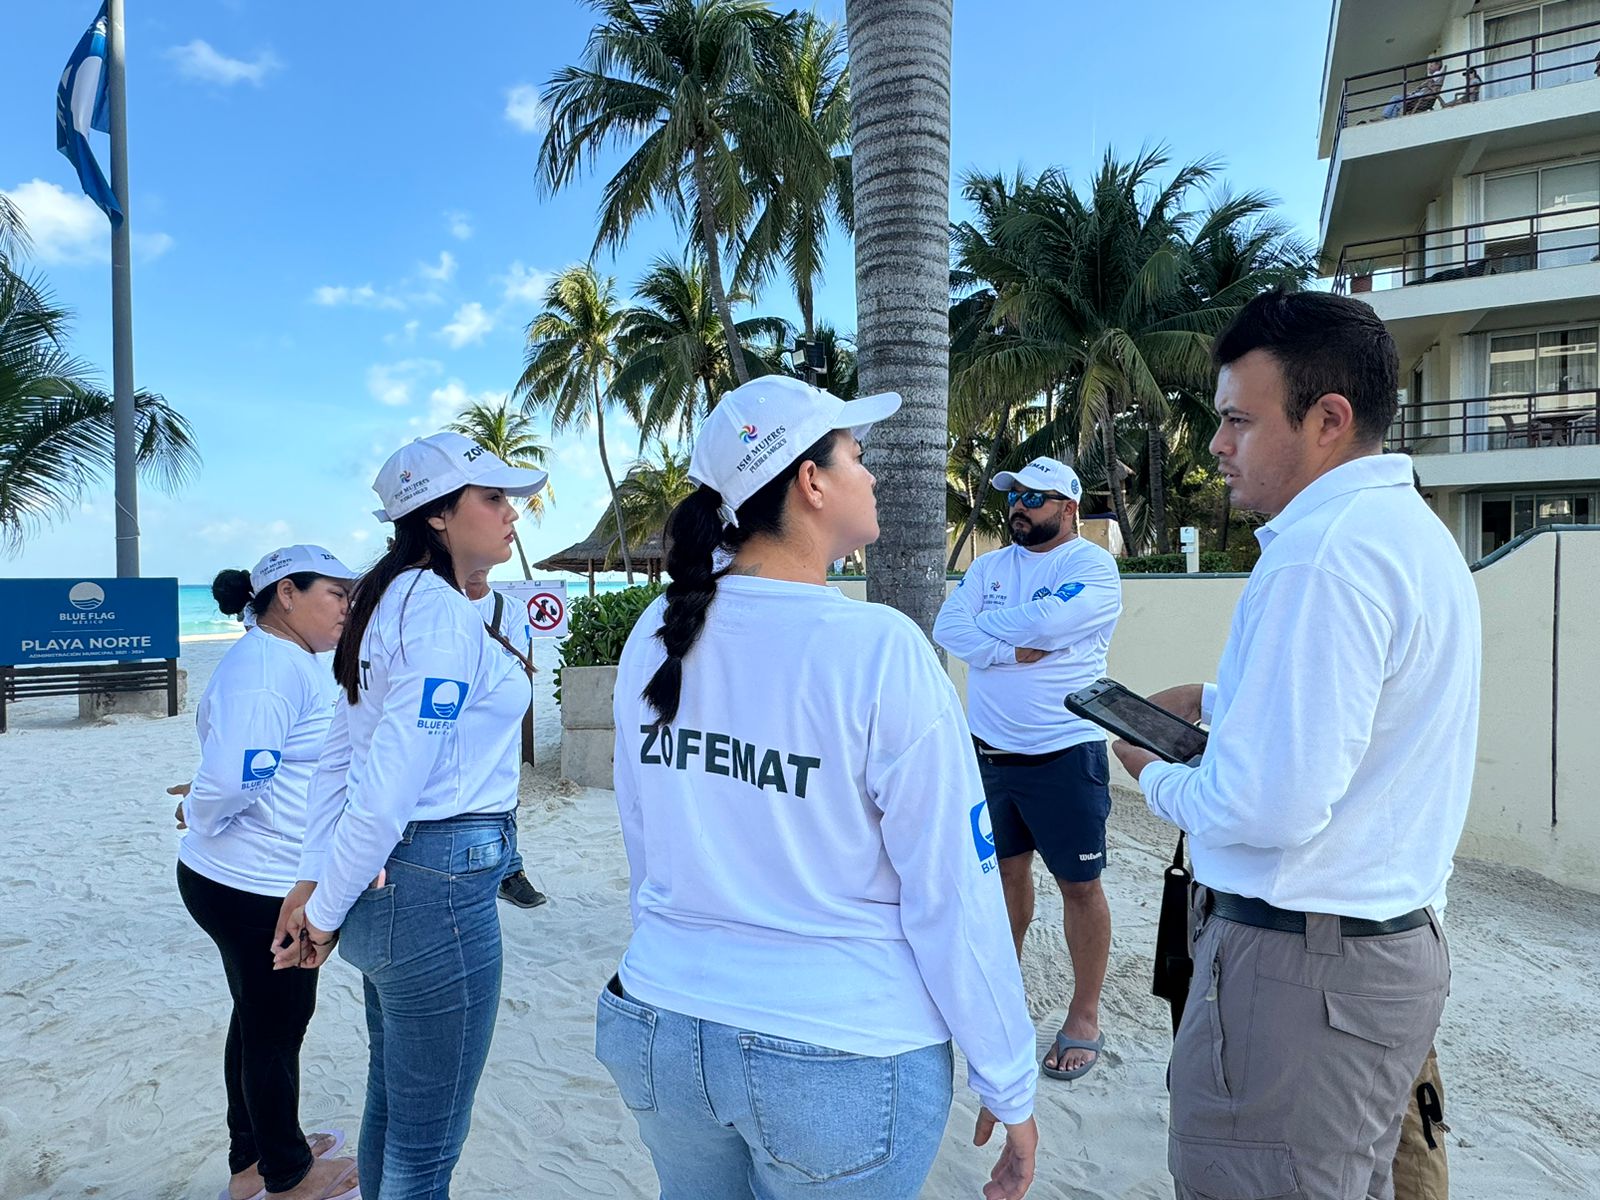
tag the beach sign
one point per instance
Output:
(87, 620)
(546, 604)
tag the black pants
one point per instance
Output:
(271, 1010)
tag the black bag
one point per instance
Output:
(1174, 966)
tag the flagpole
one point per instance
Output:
(125, 426)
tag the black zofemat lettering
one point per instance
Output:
(685, 749)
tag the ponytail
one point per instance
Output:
(415, 544)
(694, 533)
(231, 590)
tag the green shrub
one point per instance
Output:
(598, 626)
(1211, 562)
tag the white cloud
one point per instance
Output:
(199, 61)
(359, 535)
(469, 325)
(447, 402)
(525, 110)
(442, 272)
(406, 336)
(391, 383)
(365, 296)
(525, 285)
(460, 224)
(67, 227)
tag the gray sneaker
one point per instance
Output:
(516, 888)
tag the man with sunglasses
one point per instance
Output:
(1033, 621)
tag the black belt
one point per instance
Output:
(1247, 910)
(1005, 758)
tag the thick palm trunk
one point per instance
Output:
(611, 482)
(900, 127)
(719, 294)
(1156, 439)
(516, 540)
(1116, 480)
(982, 489)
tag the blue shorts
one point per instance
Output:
(1054, 803)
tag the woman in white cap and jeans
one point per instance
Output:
(262, 721)
(412, 808)
(816, 905)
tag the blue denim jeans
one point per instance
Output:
(514, 859)
(740, 1115)
(428, 946)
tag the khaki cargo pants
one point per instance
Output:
(1292, 1065)
(1421, 1168)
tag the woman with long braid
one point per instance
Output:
(816, 908)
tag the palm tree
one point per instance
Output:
(508, 435)
(571, 359)
(1105, 290)
(678, 81)
(900, 83)
(806, 71)
(675, 358)
(56, 432)
(652, 488)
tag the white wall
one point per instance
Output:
(1541, 676)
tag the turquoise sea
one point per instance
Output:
(197, 611)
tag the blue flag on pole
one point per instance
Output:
(81, 105)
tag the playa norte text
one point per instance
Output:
(108, 642)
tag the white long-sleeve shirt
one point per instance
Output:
(808, 843)
(1344, 720)
(1065, 600)
(262, 722)
(434, 736)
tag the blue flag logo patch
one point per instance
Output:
(442, 699)
(260, 765)
(1068, 590)
(983, 836)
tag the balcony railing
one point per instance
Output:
(1558, 238)
(1528, 420)
(1525, 64)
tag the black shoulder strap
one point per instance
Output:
(1177, 855)
(499, 607)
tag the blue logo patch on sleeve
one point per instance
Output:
(1041, 593)
(983, 836)
(442, 699)
(1068, 590)
(260, 765)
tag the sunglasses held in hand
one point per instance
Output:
(1031, 499)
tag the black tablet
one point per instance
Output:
(1134, 719)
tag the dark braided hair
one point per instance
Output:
(694, 533)
(415, 544)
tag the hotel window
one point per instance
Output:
(1505, 516)
(1538, 47)
(1544, 217)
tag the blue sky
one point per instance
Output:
(339, 238)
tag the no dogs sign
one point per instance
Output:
(546, 604)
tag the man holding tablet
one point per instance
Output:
(1033, 622)
(1324, 814)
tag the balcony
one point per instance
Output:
(1491, 440)
(1527, 64)
(1397, 137)
(1562, 237)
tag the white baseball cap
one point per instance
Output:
(1041, 475)
(437, 465)
(292, 560)
(761, 427)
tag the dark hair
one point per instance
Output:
(415, 544)
(694, 533)
(1322, 343)
(231, 590)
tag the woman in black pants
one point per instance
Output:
(262, 722)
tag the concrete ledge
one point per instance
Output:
(93, 706)
(586, 757)
(586, 697)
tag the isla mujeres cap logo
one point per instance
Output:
(405, 476)
(86, 597)
(747, 434)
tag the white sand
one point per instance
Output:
(113, 1008)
